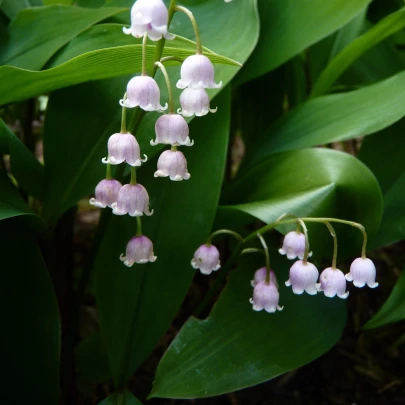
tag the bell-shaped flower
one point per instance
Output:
(206, 258)
(362, 272)
(123, 147)
(106, 193)
(197, 71)
(303, 277)
(333, 282)
(174, 164)
(172, 129)
(149, 17)
(294, 246)
(143, 92)
(133, 199)
(260, 275)
(139, 250)
(265, 296)
(194, 101)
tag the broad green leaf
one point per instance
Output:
(382, 153)
(65, 2)
(91, 362)
(236, 347)
(337, 117)
(290, 26)
(100, 64)
(132, 318)
(28, 172)
(309, 182)
(11, 202)
(352, 52)
(50, 28)
(393, 309)
(96, 104)
(122, 398)
(321, 53)
(30, 338)
(12, 7)
(90, 3)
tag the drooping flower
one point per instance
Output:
(294, 246)
(333, 282)
(123, 147)
(139, 250)
(106, 193)
(206, 258)
(149, 17)
(133, 199)
(362, 272)
(197, 71)
(195, 101)
(172, 129)
(260, 275)
(303, 277)
(265, 296)
(143, 92)
(174, 164)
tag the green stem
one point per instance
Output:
(169, 58)
(169, 86)
(224, 231)
(138, 226)
(133, 175)
(144, 64)
(108, 174)
(195, 27)
(304, 228)
(267, 255)
(335, 244)
(124, 117)
(252, 250)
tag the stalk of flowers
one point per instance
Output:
(303, 275)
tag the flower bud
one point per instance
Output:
(294, 246)
(197, 71)
(265, 296)
(133, 199)
(106, 193)
(139, 250)
(143, 92)
(149, 17)
(303, 277)
(172, 129)
(123, 147)
(333, 282)
(362, 272)
(174, 164)
(206, 258)
(194, 101)
(260, 275)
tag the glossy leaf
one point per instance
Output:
(136, 304)
(393, 309)
(101, 64)
(11, 203)
(385, 28)
(122, 398)
(50, 28)
(337, 117)
(29, 313)
(236, 347)
(29, 173)
(382, 153)
(280, 37)
(307, 182)
(12, 7)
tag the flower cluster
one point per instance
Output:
(150, 20)
(303, 275)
